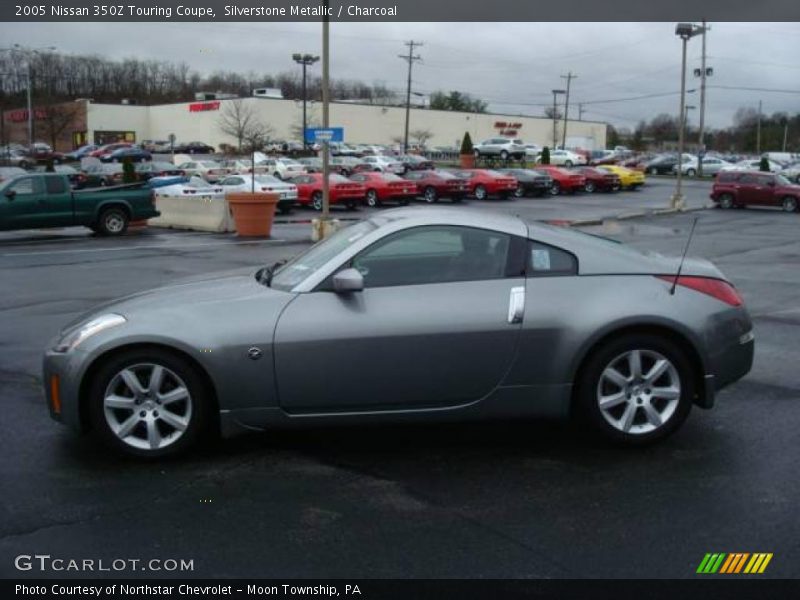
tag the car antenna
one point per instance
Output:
(683, 258)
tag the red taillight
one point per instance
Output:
(716, 288)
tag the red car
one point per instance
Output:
(439, 184)
(108, 149)
(563, 179)
(755, 188)
(599, 180)
(486, 182)
(386, 187)
(342, 190)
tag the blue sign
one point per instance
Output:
(325, 134)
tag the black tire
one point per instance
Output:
(589, 383)
(503, 155)
(519, 192)
(277, 175)
(112, 221)
(316, 200)
(372, 198)
(284, 209)
(691, 172)
(789, 204)
(477, 153)
(589, 187)
(480, 192)
(555, 188)
(568, 163)
(652, 171)
(725, 201)
(351, 204)
(430, 194)
(201, 409)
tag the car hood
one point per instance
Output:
(199, 295)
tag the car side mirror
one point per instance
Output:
(10, 194)
(348, 280)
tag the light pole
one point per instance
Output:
(685, 31)
(555, 115)
(305, 60)
(27, 52)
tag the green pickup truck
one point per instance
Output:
(40, 200)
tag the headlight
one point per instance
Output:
(87, 330)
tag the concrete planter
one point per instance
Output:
(467, 161)
(253, 213)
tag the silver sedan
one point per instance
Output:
(412, 315)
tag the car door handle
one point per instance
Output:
(516, 305)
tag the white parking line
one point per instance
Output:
(126, 248)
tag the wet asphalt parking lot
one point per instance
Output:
(521, 499)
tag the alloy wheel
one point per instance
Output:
(789, 204)
(430, 194)
(147, 406)
(638, 391)
(372, 198)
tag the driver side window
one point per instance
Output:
(439, 254)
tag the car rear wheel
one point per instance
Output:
(789, 204)
(372, 198)
(112, 221)
(652, 171)
(504, 155)
(568, 163)
(316, 200)
(430, 194)
(691, 172)
(636, 389)
(589, 187)
(148, 403)
(480, 192)
(726, 201)
(519, 192)
(555, 189)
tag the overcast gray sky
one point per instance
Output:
(511, 65)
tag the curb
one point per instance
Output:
(636, 215)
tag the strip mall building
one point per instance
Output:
(362, 123)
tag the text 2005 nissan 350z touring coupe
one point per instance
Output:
(413, 314)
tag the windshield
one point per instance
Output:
(783, 180)
(312, 259)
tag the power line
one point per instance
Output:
(411, 59)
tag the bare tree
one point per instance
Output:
(56, 119)
(240, 121)
(422, 135)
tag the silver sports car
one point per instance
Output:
(412, 314)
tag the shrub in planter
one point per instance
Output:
(128, 171)
(545, 159)
(467, 154)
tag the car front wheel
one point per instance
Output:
(636, 389)
(480, 192)
(148, 403)
(726, 201)
(372, 198)
(555, 189)
(430, 194)
(789, 204)
(589, 187)
(316, 200)
(519, 192)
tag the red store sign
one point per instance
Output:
(203, 106)
(20, 116)
(507, 129)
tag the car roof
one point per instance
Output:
(465, 217)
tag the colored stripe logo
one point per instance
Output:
(734, 563)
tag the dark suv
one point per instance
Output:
(755, 188)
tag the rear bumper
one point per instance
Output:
(727, 366)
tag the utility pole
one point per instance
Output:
(701, 125)
(569, 77)
(325, 120)
(785, 134)
(758, 130)
(555, 116)
(580, 112)
(411, 58)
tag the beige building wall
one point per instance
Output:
(362, 123)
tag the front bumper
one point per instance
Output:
(62, 374)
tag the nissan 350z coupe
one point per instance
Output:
(411, 315)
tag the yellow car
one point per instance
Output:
(629, 179)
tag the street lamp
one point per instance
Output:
(305, 60)
(555, 133)
(28, 52)
(685, 31)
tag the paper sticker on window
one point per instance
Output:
(541, 259)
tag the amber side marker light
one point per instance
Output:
(55, 397)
